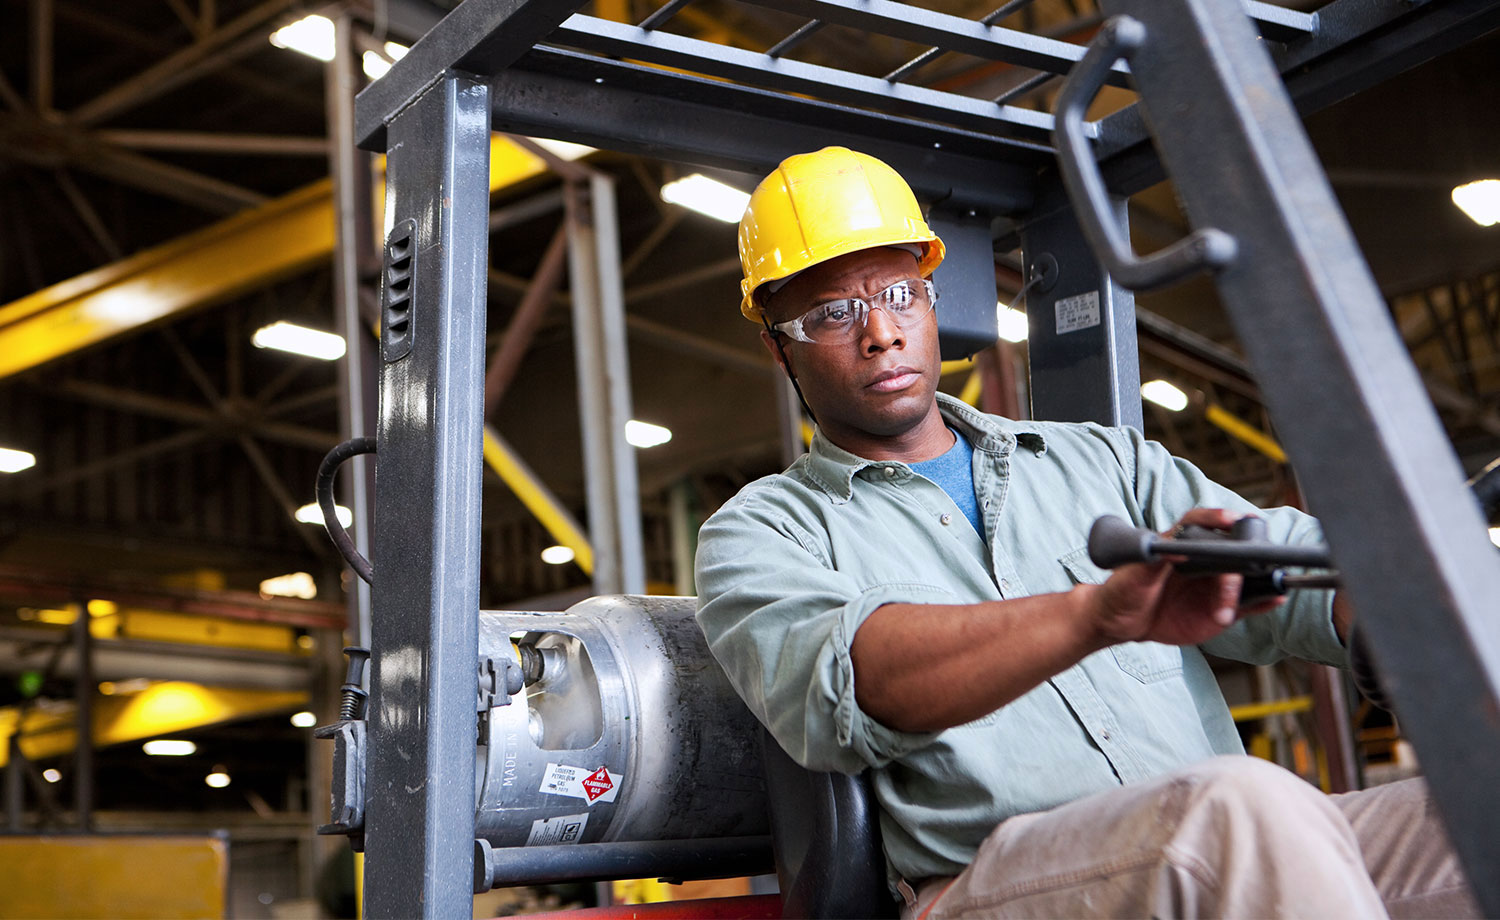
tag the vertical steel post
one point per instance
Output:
(350, 170)
(604, 386)
(83, 692)
(965, 282)
(1371, 454)
(1081, 325)
(419, 821)
(15, 790)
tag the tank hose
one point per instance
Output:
(324, 489)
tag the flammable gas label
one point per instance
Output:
(581, 783)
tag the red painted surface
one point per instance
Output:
(748, 907)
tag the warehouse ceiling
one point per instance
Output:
(178, 447)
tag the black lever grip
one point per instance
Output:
(1114, 542)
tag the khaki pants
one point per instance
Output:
(1230, 837)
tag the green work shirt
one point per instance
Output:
(790, 568)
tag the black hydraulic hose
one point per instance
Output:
(324, 489)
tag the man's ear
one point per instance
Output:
(778, 355)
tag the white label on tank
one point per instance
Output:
(1079, 312)
(546, 832)
(581, 783)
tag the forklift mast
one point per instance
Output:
(1220, 86)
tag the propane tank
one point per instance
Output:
(627, 730)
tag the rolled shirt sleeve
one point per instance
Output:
(780, 620)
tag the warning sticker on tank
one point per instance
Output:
(592, 786)
(1080, 312)
(546, 832)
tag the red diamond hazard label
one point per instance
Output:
(597, 784)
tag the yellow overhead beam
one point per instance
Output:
(1238, 428)
(538, 499)
(163, 708)
(246, 251)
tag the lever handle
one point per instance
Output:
(1120, 37)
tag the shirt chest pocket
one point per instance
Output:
(1147, 662)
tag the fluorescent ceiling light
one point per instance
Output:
(1164, 394)
(304, 719)
(707, 196)
(163, 747)
(564, 150)
(557, 555)
(311, 35)
(1480, 200)
(217, 779)
(374, 65)
(14, 461)
(51, 774)
(312, 514)
(645, 434)
(299, 340)
(1012, 323)
(293, 584)
(1495, 535)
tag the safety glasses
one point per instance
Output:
(840, 321)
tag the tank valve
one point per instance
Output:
(351, 695)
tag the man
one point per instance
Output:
(914, 598)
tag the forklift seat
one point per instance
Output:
(825, 830)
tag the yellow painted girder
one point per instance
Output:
(246, 251)
(538, 499)
(164, 708)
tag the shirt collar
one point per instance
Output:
(833, 469)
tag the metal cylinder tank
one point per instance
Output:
(630, 733)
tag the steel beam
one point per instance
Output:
(214, 142)
(1406, 532)
(528, 487)
(353, 254)
(251, 249)
(482, 38)
(419, 819)
(161, 75)
(604, 387)
(524, 322)
(789, 76)
(162, 709)
(44, 144)
(1357, 44)
(1085, 364)
(944, 31)
(83, 720)
(655, 113)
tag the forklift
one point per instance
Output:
(504, 748)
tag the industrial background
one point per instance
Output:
(164, 182)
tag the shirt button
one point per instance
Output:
(890, 471)
(986, 503)
(946, 519)
(1104, 735)
(1004, 584)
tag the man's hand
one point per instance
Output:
(1153, 602)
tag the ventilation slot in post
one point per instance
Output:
(396, 291)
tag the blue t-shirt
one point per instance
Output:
(954, 472)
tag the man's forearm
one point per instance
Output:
(930, 667)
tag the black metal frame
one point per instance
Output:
(1328, 359)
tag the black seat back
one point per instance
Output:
(825, 829)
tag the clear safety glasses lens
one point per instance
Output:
(838, 321)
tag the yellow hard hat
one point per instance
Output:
(821, 205)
